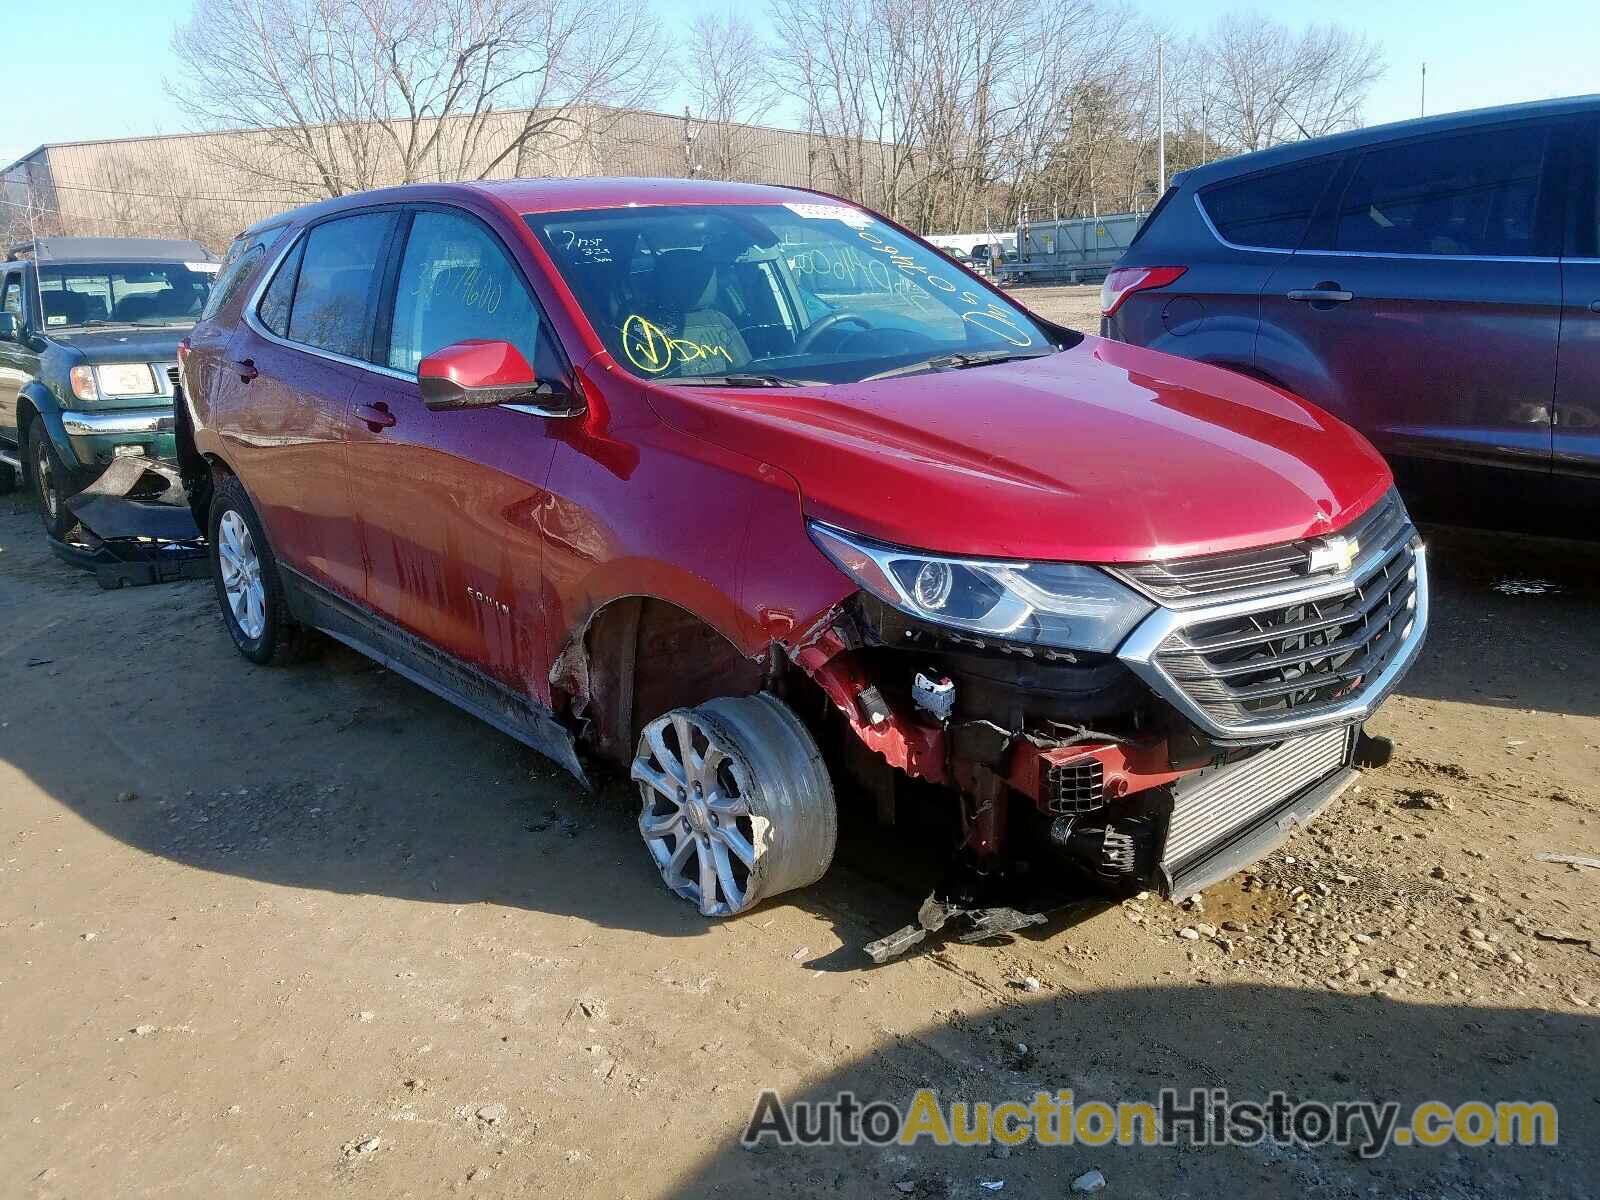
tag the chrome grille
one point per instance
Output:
(1211, 578)
(1296, 657)
(1208, 807)
(1076, 787)
(172, 375)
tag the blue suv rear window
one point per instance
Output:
(1270, 210)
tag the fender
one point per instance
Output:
(35, 402)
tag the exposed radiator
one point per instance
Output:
(1213, 805)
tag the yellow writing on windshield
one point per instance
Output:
(652, 349)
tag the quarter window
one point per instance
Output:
(274, 307)
(333, 296)
(1472, 194)
(1271, 209)
(242, 258)
(456, 283)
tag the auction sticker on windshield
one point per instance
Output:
(831, 212)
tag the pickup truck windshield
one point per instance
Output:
(75, 295)
(815, 292)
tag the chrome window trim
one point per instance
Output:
(1138, 651)
(259, 291)
(1410, 255)
(1481, 258)
(260, 330)
(1211, 225)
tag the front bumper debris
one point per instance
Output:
(136, 527)
(981, 924)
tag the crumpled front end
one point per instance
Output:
(1229, 715)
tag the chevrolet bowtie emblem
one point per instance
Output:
(1333, 554)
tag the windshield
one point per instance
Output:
(84, 294)
(780, 292)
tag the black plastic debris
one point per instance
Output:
(135, 527)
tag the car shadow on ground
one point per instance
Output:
(133, 711)
(1127, 1044)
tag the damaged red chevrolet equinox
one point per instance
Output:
(754, 494)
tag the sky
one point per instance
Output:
(102, 74)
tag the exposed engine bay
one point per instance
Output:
(1076, 782)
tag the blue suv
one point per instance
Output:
(1435, 283)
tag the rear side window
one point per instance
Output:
(238, 265)
(1271, 209)
(456, 283)
(1150, 217)
(1474, 194)
(333, 297)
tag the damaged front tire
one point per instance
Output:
(736, 803)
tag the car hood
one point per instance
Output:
(125, 343)
(1102, 453)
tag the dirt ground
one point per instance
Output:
(313, 932)
(1076, 305)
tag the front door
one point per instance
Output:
(1423, 306)
(452, 533)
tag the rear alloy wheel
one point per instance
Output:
(737, 805)
(250, 592)
(242, 587)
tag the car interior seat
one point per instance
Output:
(687, 291)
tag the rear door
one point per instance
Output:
(1423, 305)
(451, 503)
(294, 362)
(1577, 426)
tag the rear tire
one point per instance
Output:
(250, 592)
(8, 479)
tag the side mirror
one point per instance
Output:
(482, 374)
(10, 327)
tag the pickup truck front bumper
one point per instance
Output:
(95, 437)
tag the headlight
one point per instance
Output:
(1045, 604)
(126, 379)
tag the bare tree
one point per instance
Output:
(1271, 84)
(732, 88)
(343, 95)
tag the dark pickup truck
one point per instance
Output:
(89, 332)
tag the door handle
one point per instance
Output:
(247, 369)
(1594, 306)
(377, 416)
(1323, 293)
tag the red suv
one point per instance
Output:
(757, 495)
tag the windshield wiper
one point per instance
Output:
(956, 362)
(739, 379)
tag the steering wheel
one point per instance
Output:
(808, 339)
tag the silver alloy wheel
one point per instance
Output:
(241, 574)
(46, 479)
(736, 802)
